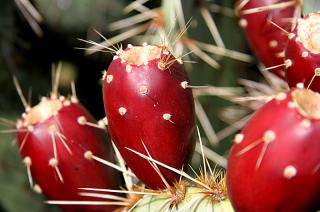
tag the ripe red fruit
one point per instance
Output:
(303, 53)
(56, 142)
(147, 100)
(274, 164)
(266, 39)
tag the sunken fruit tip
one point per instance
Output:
(55, 139)
(274, 163)
(150, 107)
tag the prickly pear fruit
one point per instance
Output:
(57, 142)
(303, 53)
(262, 20)
(147, 101)
(274, 164)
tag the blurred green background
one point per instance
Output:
(29, 57)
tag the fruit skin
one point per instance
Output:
(304, 61)
(147, 93)
(288, 177)
(76, 171)
(266, 40)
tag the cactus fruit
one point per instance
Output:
(262, 21)
(303, 52)
(57, 141)
(147, 101)
(274, 164)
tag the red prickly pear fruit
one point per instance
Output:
(56, 142)
(262, 21)
(303, 53)
(147, 100)
(274, 164)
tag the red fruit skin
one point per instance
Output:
(296, 144)
(77, 172)
(167, 142)
(303, 63)
(266, 40)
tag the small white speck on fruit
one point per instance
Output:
(53, 162)
(289, 172)
(37, 189)
(184, 84)
(24, 115)
(273, 43)
(306, 123)
(27, 161)
(269, 136)
(300, 85)
(115, 57)
(144, 44)
(128, 68)
(30, 128)
(243, 23)
(304, 54)
(281, 96)
(122, 111)
(67, 103)
(129, 46)
(238, 138)
(317, 72)
(291, 105)
(288, 63)
(82, 120)
(88, 155)
(291, 36)
(109, 78)
(143, 89)
(298, 39)
(166, 116)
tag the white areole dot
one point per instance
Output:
(289, 172)
(238, 138)
(122, 111)
(109, 78)
(269, 136)
(166, 116)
